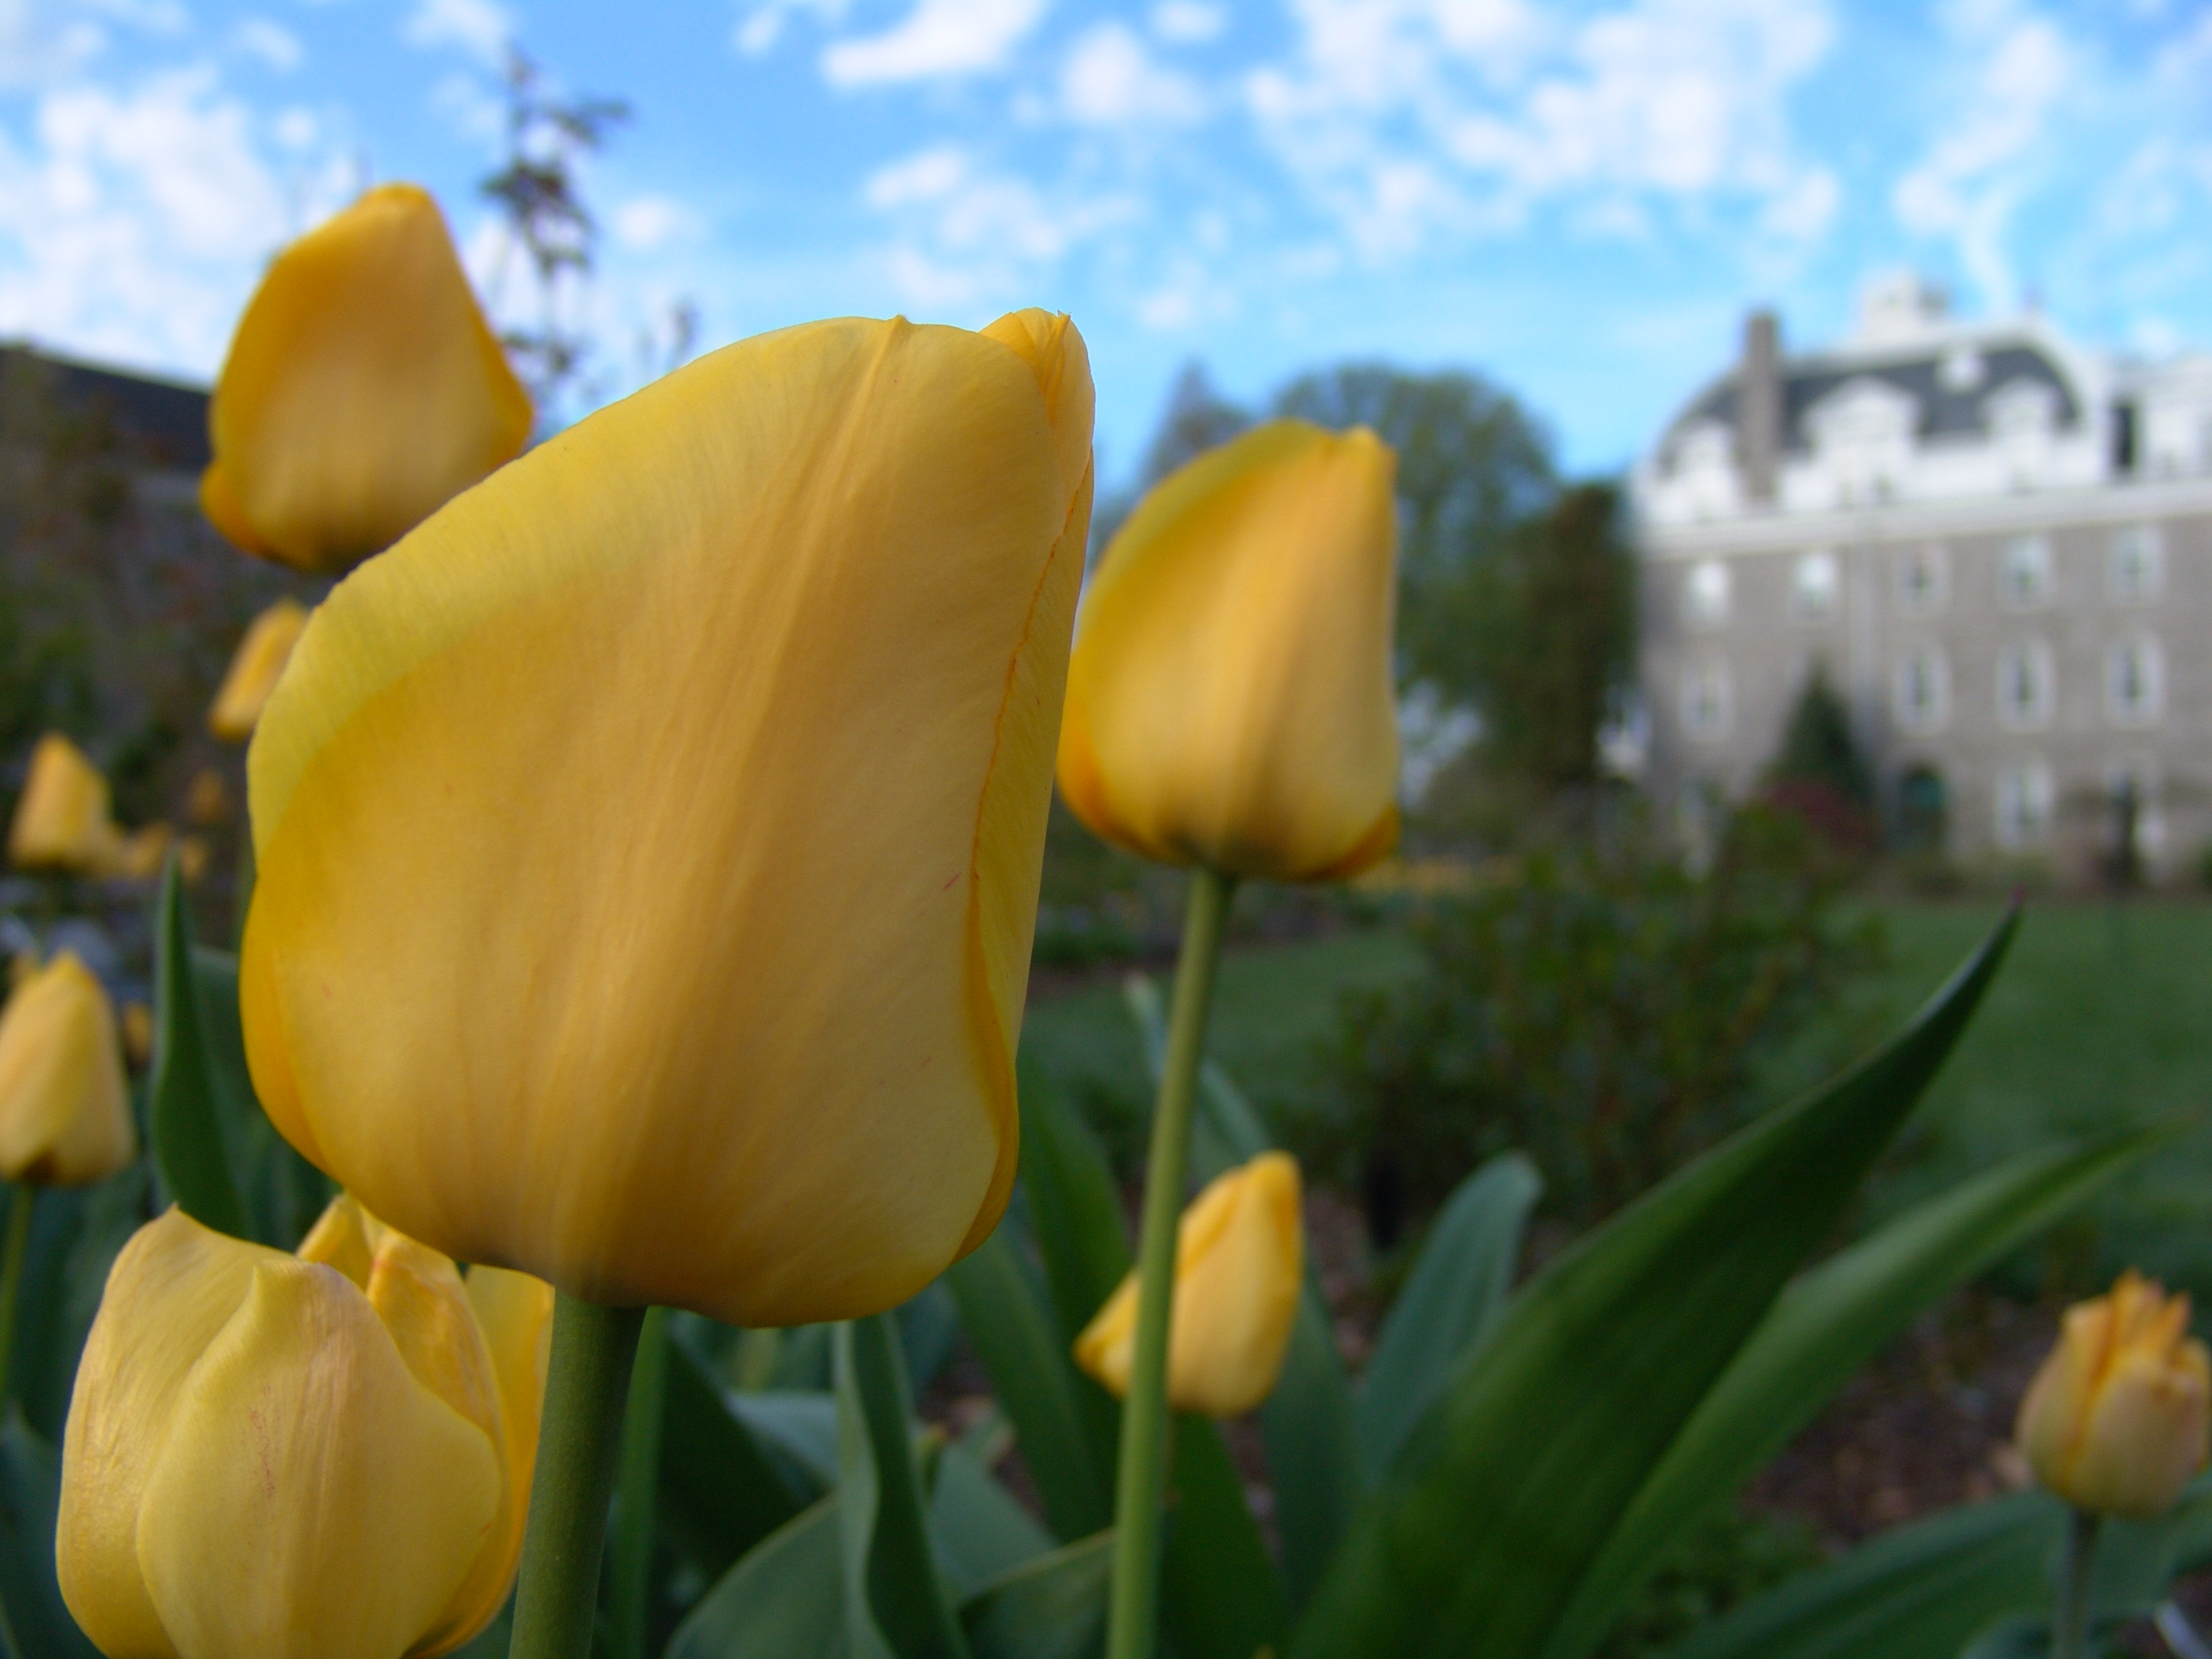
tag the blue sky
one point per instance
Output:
(1576, 200)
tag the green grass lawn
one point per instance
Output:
(2094, 1023)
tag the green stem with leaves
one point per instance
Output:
(1133, 1607)
(637, 1501)
(579, 1449)
(20, 1198)
(2069, 1613)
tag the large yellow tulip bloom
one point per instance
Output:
(254, 667)
(269, 1456)
(1229, 700)
(362, 391)
(2119, 1418)
(62, 822)
(649, 844)
(64, 1109)
(1240, 1258)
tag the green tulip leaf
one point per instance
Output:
(1923, 1591)
(2137, 1561)
(896, 1605)
(75, 1235)
(1220, 1598)
(981, 1530)
(929, 1330)
(785, 1600)
(188, 1112)
(721, 1493)
(1499, 1507)
(1827, 1324)
(284, 1194)
(34, 1624)
(1052, 1607)
(1308, 1421)
(1013, 1329)
(1449, 1305)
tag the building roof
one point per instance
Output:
(1949, 379)
(165, 423)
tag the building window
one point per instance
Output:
(2024, 572)
(1707, 702)
(1924, 579)
(2026, 688)
(2135, 681)
(1815, 586)
(2135, 564)
(2024, 801)
(1923, 689)
(1705, 593)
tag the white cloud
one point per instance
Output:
(761, 26)
(1186, 21)
(1110, 79)
(1404, 116)
(272, 43)
(938, 38)
(42, 44)
(133, 224)
(645, 223)
(964, 230)
(482, 29)
(1971, 178)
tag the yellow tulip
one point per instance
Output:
(138, 855)
(260, 658)
(2118, 1419)
(62, 822)
(362, 391)
(64, 1109)
(649, 844)
(138, 1034)
(206, 801)
(1229, 700)
(270, 1456)
(1240, 1258)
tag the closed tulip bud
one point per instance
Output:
(2116, 1420)
(271, 1455)
(362, 391)
(138, 1034)
(260, 658)
(1240, 1258)
(138, 855)
(206, 801)
(1229, 701)
(733, 1029)
(62, 822)
(191, 858)
(64, 1109)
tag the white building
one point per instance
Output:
(1998, 543)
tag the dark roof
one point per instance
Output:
(1943, 411)
(161, 421)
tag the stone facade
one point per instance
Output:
(1997, 547)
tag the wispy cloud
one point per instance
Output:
(938, 38)
(481, 28)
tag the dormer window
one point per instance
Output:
(2021, 409)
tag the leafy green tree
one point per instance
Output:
(1551, 639)
(1818, 747)
(1473, 464)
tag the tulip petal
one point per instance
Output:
(516, 1313)
(62, 820)
(259, 658)
(363, 390)
(313, 1498)
(695, 740)
(1229, 700)
(173, 1287)
(65, 1106)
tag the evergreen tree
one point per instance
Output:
(1817, 745)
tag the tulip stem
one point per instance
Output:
(636, 1501)
(2069, 1617)
(21, 1198)
(1132, 1608)
(579, 1449)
